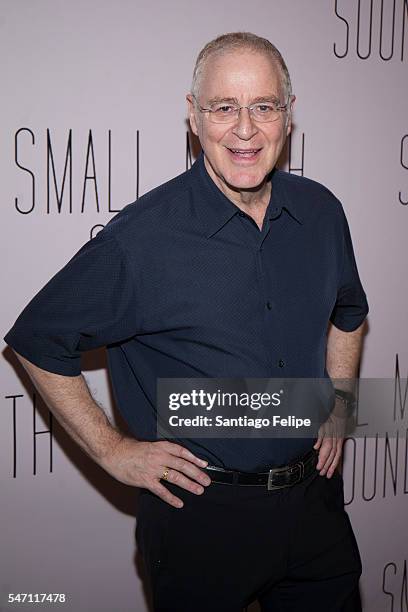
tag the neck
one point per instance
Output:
(252, 201)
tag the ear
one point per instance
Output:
(192, 114)
(289, 119)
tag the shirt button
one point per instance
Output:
(241, 214)
(269, 305)
(281, 363)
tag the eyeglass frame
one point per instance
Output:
(282, 107)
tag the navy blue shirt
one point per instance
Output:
(183, 284)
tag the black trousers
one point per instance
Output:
(292, 549)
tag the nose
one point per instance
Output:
(245, 128)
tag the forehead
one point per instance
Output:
(240, 73)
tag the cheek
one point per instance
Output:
(216, 134)
(278, 138)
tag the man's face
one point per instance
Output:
(239, 155)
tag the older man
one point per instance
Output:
(233, 269)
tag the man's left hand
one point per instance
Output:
(330, 444)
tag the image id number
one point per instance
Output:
(36, 598)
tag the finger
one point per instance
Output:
(182, 481)
(324, 452)
(336, 459)
(187, 468)
(319, 441)
(161, 491)
(182, 451)
(329, 459)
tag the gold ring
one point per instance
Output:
(165, 474)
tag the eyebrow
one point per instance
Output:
(218, 99)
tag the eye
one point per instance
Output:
(265, 108)
(223, 109)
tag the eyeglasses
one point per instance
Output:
(228, 112)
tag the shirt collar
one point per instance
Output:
(215, 209)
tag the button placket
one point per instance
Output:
(271, 342)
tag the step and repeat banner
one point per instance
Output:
(93, 116)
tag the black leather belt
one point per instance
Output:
(275, 478)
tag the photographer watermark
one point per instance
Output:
(279, 408)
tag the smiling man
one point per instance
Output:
(233, 269)
(243, 133)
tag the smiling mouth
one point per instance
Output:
(244, 153)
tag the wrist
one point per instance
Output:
(345, 401)
(113, 440)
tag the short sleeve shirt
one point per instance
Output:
(183, 284)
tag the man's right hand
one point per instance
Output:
(135, 463)
(142, 464)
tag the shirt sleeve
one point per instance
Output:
(351, 307)
(88, 304)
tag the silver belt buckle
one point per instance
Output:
(272, 487)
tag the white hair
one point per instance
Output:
(236, 41)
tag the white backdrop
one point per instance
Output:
(98, 88)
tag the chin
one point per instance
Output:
(244, 181)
